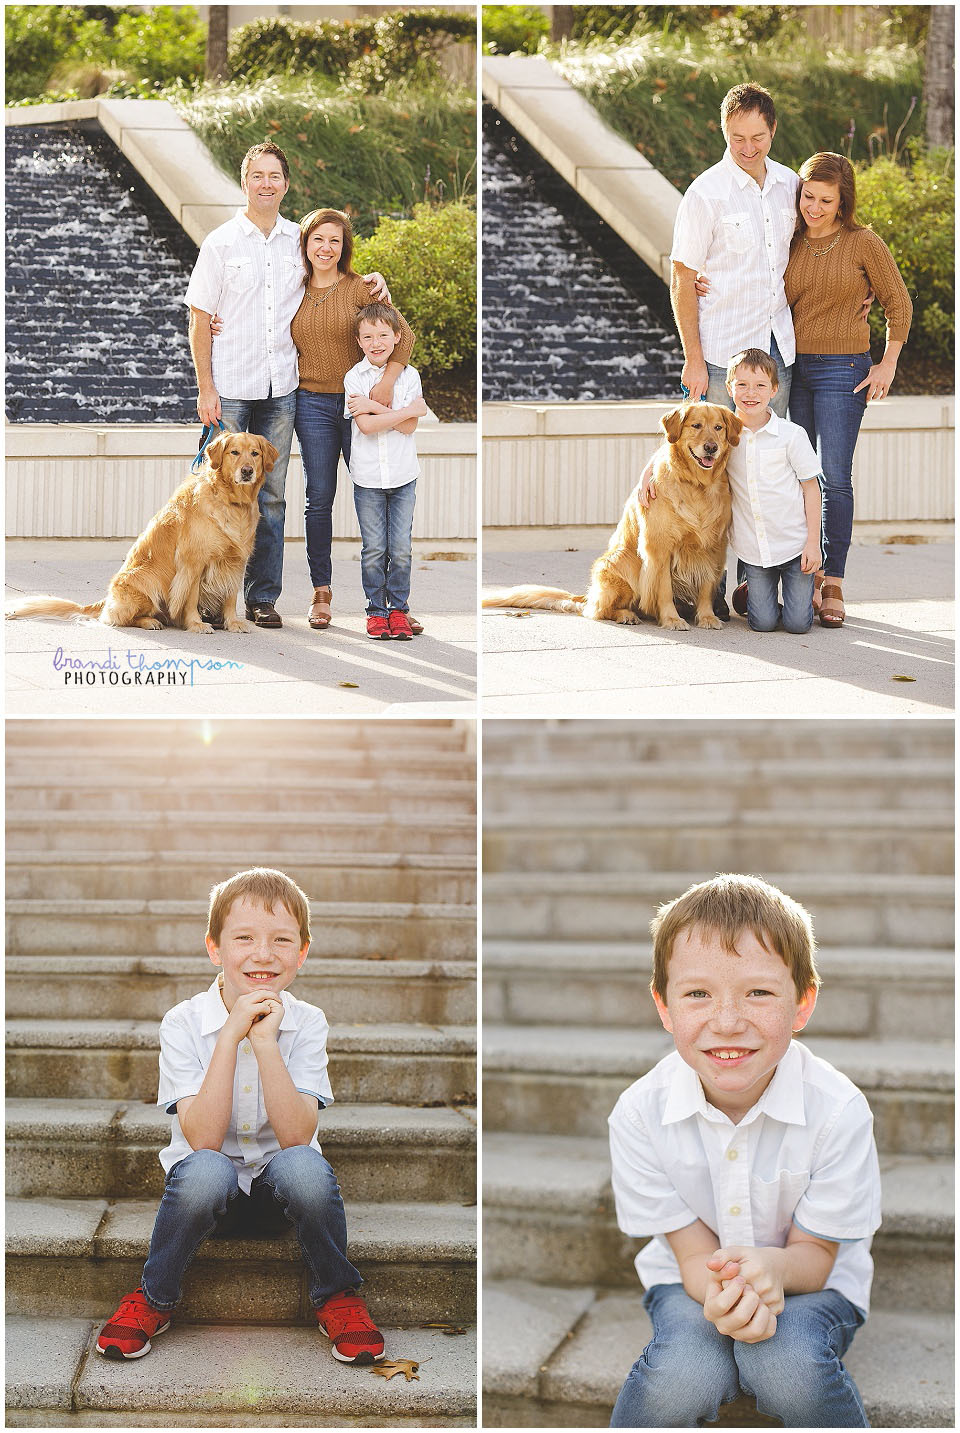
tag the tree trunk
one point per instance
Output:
(561, 22)
(216, 58)
(938, 76)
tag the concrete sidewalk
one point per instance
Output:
(899, 624)
(291, 672)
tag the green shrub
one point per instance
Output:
(508, 29)
(911, 208)
(430, 264)
(368, 154)
(365, 53)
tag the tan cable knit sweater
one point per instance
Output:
(826, 294)
(325, 335)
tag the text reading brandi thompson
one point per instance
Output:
(135, 669)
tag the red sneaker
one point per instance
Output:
(400, 627)
(354, 1335)
(128, 1333)
(379, 629)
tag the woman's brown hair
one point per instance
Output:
(828, 168)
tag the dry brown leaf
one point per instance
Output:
(307, 116)
(320, 163)
(904, 679)
(302, 137)
(356, 128)
(274, 124)
(348, 684)
(389, 1368)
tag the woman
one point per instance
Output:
(324, 331)
(834, 263)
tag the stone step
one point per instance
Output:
(548, 1216)
(593, 787)
(854, 909)
(210, 1376)
(80, 1256)
(138, 987)
(348, 930)
(556, 1358)
(153, 767)
(306, 740)
(899, 842)
(866, 991)
(117, 1059)
(566, 1080)
(107, 1149)
(280, 831)
(389, 794)
(616, 739)
(377, 876)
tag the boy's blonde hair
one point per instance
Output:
(264, 887)
(728, 905)
(754, 358)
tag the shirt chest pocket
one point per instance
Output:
(773, 1202)
(737, 232)
(291, 273)
(239, 276)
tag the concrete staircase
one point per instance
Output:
(116, 831)
(587, 827)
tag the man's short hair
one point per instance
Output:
(728, 905)
(379, 313)
(744, 99)
(263, 887)
(268, 147)
(754, 358)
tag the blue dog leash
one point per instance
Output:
(206, 438)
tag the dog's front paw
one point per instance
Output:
(238, 626)
(673, 622)
(151, 624)
(709, 620)
(628, 619)
(198, 627)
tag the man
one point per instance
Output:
(250, 273)
(735, 222)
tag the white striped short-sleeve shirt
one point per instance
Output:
(255, 283)
(768, 525)
(739, 235)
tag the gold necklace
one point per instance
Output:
(326, 293)
(819, 253)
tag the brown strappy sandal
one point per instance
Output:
(817, 584)
(831, 592)
(320, 614)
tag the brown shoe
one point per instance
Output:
(832, 611)
(320, 614)
(264, 614)
(415, 627)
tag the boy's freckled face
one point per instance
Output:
(378, 341)
(751, 391)
(731, 1014)
(258, 950)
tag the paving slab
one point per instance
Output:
(900, 622)
(42, 1357)
(291, 672)
(523, 1324)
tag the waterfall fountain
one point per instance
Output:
(569, 310)
(96, 269)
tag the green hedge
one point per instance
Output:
(365, 53)
(508, 29)
(368, 154)
(911, 207)
(430, 264)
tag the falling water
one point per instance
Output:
(96, 269)
(569, 311)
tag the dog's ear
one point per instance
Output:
(734, 426)
(671, 423)
(270, 455)
(214, 453)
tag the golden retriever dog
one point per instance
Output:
(673, 550)
(191, 555)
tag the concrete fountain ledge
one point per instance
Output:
(162, 148)
(609, 174)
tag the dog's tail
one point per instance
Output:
(51, 607)
(551, 599)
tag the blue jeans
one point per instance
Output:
(688, 1369)
(717, 387)
(272, 418)
(298, 1183)
(386, 526)
(763, 604)
(323, 434)
(823, 402)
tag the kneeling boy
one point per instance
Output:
(243, 1072)
(752, 1164)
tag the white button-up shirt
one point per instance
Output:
(255, 283)
(739, 235)
(803, 1154)
(387, 459)
(768, 525)
(188, 1034)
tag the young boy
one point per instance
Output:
(774, 477)
(753, 1166)
(243, 1072)
(384, 469)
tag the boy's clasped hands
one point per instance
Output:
(256, 1017)
(744, 1293)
